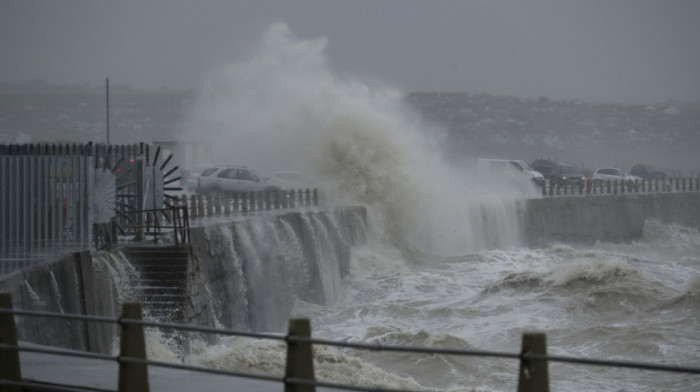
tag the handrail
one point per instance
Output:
(298, 342)
(615, 187)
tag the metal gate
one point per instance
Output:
(57, 198)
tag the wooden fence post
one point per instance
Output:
(533, 372)
(285, 199)
(217, 204)
(227, 205)
(9, 359)
(210, 203)
(244, 202)
(252, 201)
(200, 205)
(133, 377)
(236, 203)
(193, 205)
(300, 362)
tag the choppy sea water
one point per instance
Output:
(636, 302)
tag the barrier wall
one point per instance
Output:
(244, 273)
(69, 285)
(247, 274)
(586, 219)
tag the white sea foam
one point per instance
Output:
(284, 107)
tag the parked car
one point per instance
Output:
(226, 178)
(603, 174)
(508, 169)
(648, 172)
(559, 172)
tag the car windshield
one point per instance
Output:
(568, 169)
(259, 173)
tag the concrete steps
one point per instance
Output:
(163, 276)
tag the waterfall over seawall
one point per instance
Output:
(245, 273)
(249, 273)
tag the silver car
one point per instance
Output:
(227, 178)
(604, 174)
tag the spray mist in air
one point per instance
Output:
(285, 109)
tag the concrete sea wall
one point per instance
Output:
(244, 273)
(79, 283)
(247, 274)
(586, 219)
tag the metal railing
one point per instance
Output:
(299, 371)
(173, 219)
(225, 204)
(46, 197)
(675, 184)
(64, 197)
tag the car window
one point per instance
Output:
(228, 173)
(246, 175)
(208, 172)
(568, 169)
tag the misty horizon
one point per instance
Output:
(627, 52)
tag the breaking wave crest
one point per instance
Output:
(590, 270)
(264, 357)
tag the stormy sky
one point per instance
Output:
(624, 51)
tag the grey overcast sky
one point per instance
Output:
(626, 51)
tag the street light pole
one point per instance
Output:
(107, 91)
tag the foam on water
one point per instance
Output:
(444, 262)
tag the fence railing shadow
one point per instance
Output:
(299, 372)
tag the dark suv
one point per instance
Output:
(647, 172)
(558, 172)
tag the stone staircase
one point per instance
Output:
(163, 276)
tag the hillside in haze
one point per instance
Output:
(480, 125)
(588, 134)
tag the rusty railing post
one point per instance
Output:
(10, 369)
(300, 364)
(533, 372)
(133, 377)
(244, 202)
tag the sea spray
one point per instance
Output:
(285, 108)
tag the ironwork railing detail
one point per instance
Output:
(57, 198)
